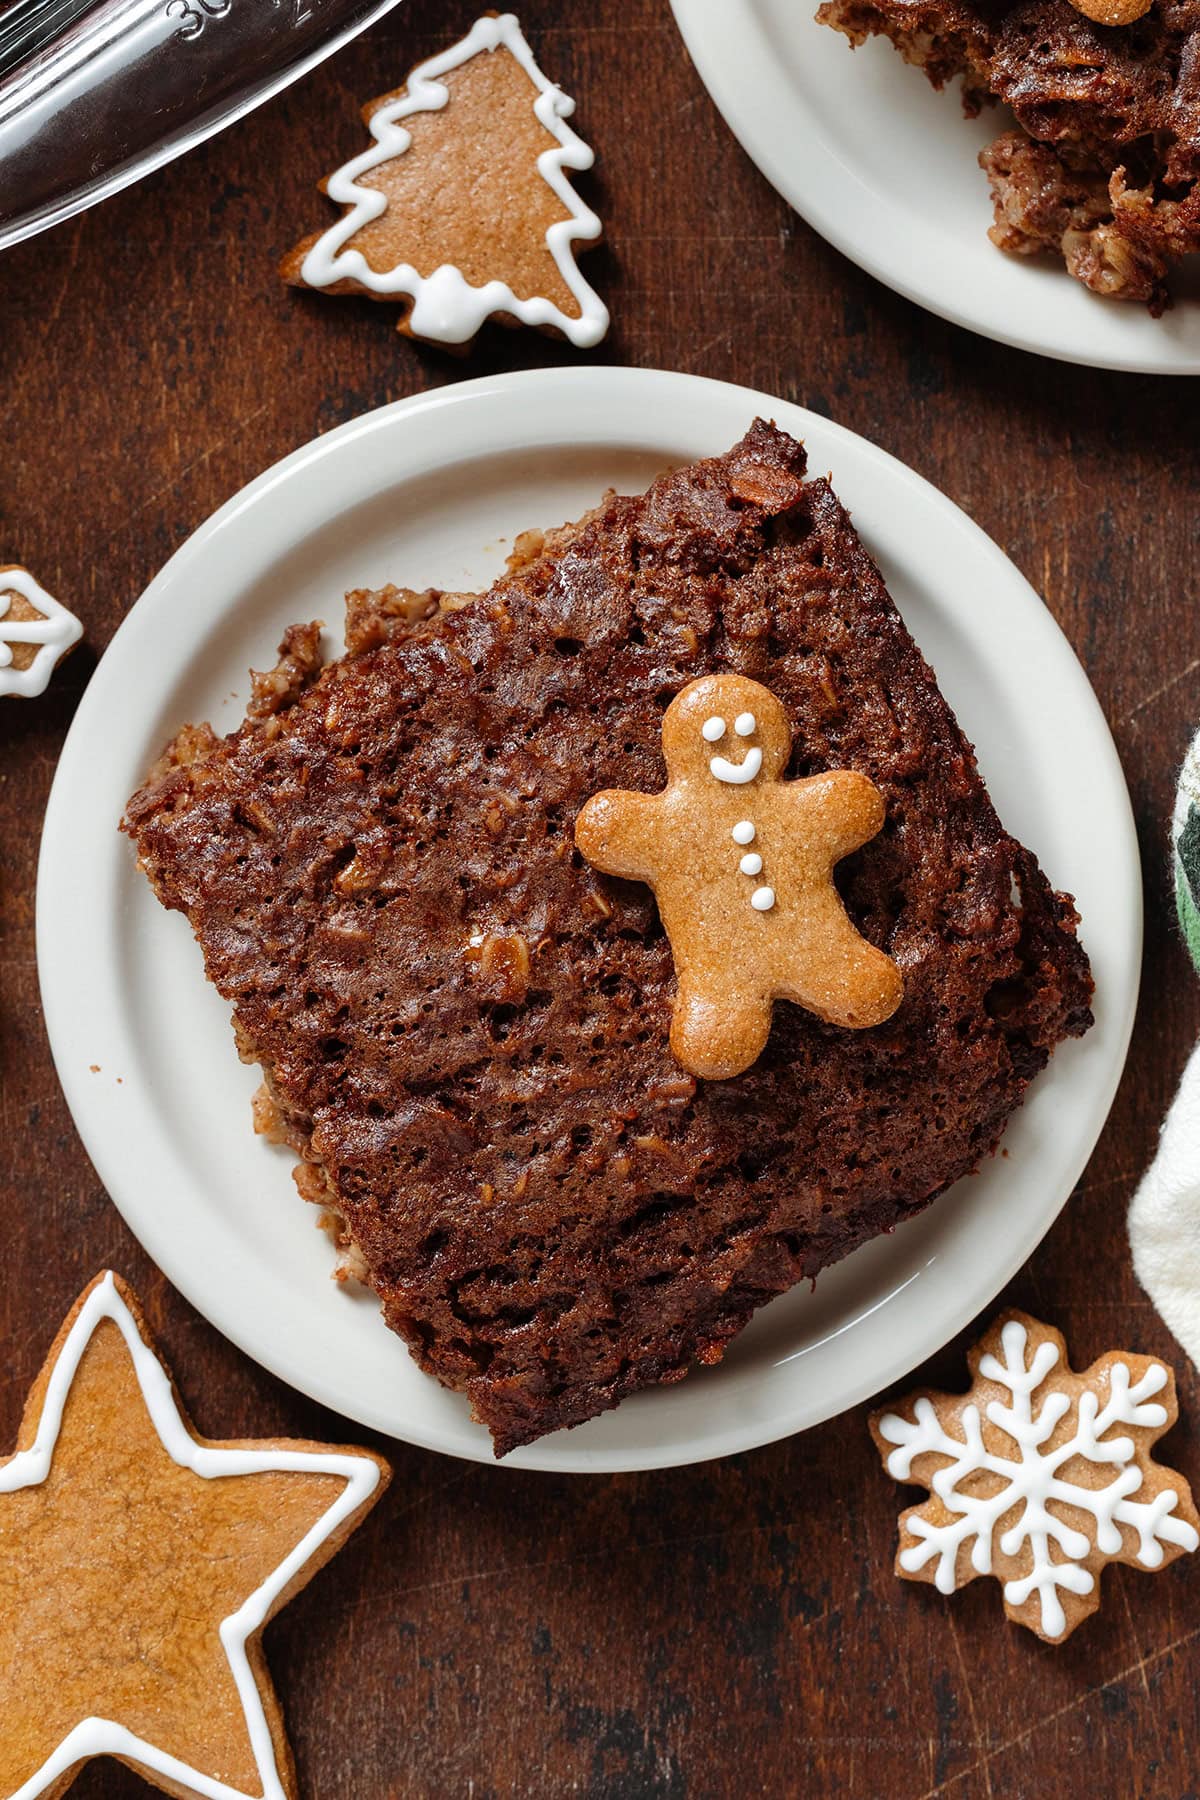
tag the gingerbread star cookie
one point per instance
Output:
(741, 863)
(462, 209)
(35, 633)
(1038, 1475)
(140, 1564)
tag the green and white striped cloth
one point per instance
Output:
(1164, 1217)
(1186, 837)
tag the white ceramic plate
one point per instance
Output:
(884, 167)
(427, 492)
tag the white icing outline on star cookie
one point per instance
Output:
(446, 307)
(57, 631)
(28, 1468)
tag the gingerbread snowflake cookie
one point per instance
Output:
(1038, 1475)
(35, 633)
(462, 209)
(140, 1564)
(741, 863)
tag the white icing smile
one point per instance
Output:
(737, 774)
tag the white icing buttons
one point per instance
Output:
(445, 305)
(743, 832)
(713, 730)
(763, 899)
(751, 863)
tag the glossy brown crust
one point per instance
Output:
(1105, 168)
(465, 1027)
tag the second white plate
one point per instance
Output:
(427, 492)
(884, 167)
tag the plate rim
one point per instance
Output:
(721, 41)
(86, 1102)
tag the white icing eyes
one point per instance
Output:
(713, 730)
(763, 899)
(743, 832)
(751, 863)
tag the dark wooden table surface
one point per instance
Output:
(724, 1630)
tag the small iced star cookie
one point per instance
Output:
(463, 209)
(1038, 1476)
(139, 1565)
(741, 863)
(35, 633)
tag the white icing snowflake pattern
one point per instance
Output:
(983, 1481)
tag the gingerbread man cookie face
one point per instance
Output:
(741, 863)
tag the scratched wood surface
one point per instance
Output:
(726, 1630)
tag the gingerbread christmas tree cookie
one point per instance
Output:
(1038, 1475)
(35, 633)
(741, 863)
(140, 1564)
(463, 209)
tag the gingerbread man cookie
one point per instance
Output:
(140, 1564)
(35, 633)
(741, 863)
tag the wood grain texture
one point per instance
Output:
(729, 1630)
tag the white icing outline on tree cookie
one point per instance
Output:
(28, 1468)
(1033, 1479)
(56, 631)
(446, 307)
